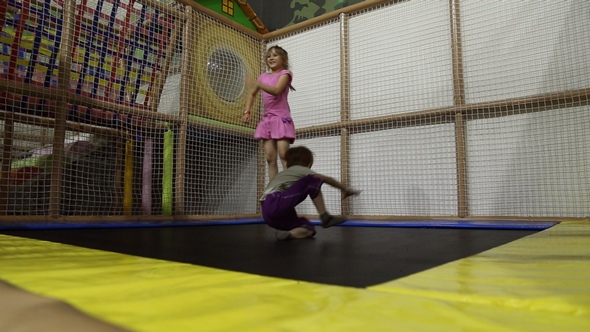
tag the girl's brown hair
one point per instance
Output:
(280, 51)
(284, 55)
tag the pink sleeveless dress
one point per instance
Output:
(277, 122)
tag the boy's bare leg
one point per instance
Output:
(328, 220)
(319, 203)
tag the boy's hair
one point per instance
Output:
(299, 155)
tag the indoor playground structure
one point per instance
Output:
(129, 186)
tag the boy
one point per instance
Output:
(291, 187)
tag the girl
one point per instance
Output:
(276, 129)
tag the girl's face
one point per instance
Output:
(274, 60)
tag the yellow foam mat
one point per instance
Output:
(538, 283)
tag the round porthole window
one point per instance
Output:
(227, 74)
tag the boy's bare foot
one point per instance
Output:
(283, 235)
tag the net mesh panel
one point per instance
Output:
(405, 65)
(316, 101)
(82, 105)
(497, 130)
(530, 158)
(412, 166)
(221, 154)
(154, 98)
(123, 107)
(316, 75)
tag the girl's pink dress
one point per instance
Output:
(276, 122)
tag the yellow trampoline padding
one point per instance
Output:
(546, 275)
(145, 294)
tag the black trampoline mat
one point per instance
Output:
(344, 256)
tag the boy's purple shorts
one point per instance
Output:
(278, 209)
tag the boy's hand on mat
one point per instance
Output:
(350, 192)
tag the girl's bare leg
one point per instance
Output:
(270, 152)
(283, 146)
